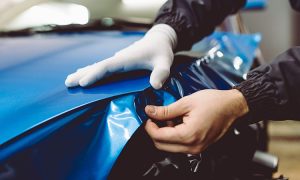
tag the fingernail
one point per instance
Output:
(150, 109)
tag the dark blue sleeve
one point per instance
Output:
(273, 91)
(295, 4)
(194, 19)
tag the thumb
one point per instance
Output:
(165, 112)
(159, 75)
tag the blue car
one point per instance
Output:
(49, 131)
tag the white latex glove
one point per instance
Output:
(153, 52)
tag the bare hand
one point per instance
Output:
(206, 116)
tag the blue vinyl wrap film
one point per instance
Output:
(51, 132)
(256, 4)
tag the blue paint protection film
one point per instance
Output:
(84, 143)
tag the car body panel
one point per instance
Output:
(51, 132)
(33, 71)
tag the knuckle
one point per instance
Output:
(158, 146)
(195, 150)
(194, 140)
(186, 140)
(191, 140)
(166, 111)
(154, 138)
(162, 111)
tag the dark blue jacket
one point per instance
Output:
(272, 91)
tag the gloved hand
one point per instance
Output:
(153, 52)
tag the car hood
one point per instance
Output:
(51, 131)
(33, 70)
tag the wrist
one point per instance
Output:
(240, 104)
(167, 31)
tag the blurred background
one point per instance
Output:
(277, 23)
(279, 26)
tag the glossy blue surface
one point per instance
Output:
(238, 49)
(256, 4)
(33, 71)
(43, 139)
(81, 144)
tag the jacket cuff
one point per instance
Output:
(260, 94)
(184, 37)
(167, 30)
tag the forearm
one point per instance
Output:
(272, 91)
(194, 19)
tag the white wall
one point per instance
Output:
(277, 26)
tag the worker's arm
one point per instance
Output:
(183, 20)
(273, 91)
(194, 19)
